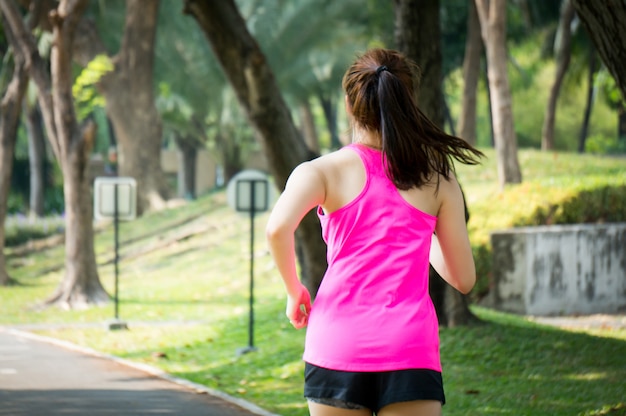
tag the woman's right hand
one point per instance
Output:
(299, 306)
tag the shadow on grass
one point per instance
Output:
(511, 366)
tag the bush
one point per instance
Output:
(564, 200)
(20, 230)
(599, 144)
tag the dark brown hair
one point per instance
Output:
(380, 89)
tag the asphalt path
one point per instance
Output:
(44, 378)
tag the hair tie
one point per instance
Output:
(381, 69)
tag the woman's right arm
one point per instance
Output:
(451, 252)
(305, 190)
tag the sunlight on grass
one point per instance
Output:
(588, 376)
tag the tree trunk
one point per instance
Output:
(605, 22)
(187, 158)
(417, 36)
(492, 141)
(131, 107)
(71, 145)
(492, 16)
(308, 127)
(330, 114)
(448, 116)
(81, 286)
(471, 75)
(562, 45)
(584, 128)
(230, 153)
(621, 124)
(255, 86)
(36, 158)
(9, 120)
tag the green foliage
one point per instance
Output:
(86, 96)
(531, 78)
(175, 111)
(602, 145)
(612, 93)
(308, 50)
(15, 203)
(54, 200)
(453, 17)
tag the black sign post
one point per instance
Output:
(115, 197)
(251, 195)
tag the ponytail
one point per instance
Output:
(379, 87)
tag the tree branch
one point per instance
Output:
(23, 43)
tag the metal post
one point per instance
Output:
(116, 243)
(252, 210)
(116, 324)
(251, 326)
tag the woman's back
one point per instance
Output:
(377, 277)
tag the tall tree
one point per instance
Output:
(562, 47)
(253, 81)
(130, 102)
(9, 120)
(591, 88)
(492, 16)
(36, 156)
(604, 22)
(70, 142)
(418, 35)
(418, 31)
(129, 94)
(471, 75)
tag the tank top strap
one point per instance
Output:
(372, 159)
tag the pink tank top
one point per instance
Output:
(373, 311)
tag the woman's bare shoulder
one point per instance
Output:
(337, 159)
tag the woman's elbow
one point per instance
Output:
(271, 232)
(275, 231)
(466, 284)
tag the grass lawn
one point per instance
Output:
(184, 277)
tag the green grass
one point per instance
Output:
(184, 276)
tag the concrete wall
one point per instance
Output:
(559, 270)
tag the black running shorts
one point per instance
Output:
(372, 390)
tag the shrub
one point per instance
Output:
(599, 144)
(563, 200)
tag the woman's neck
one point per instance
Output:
(367, 138)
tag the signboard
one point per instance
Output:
(105, 198)
(249, 191)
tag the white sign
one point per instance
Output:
(249, 190)
(104, 198)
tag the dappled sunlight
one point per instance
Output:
(590, 376)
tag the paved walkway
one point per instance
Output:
(40, 376)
